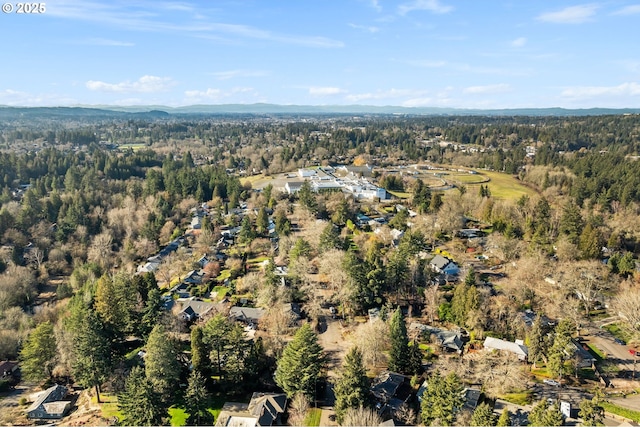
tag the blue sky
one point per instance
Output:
(422, 53)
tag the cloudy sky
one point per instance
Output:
(433, 53)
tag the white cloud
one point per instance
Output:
(325, 91)
(381, 94)
(629, 10)
(624, 89)
(376, 5)
(519, 42)
(214, 94)
(230, 74)
(570, 15)
(122, 15)
(365, 28)
(431, 5)
(497, 88)
(418, 102)
(18, 98)
(145, 84)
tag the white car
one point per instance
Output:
(552, 382)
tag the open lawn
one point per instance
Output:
(313, 417)
(518, 398)
(109, 405)
(400, 194)
(623, 412)
(179, 415)
(256, 181)
(505, 186)
(469, 179)
(134, 147)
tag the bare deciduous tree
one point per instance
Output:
(373, 340)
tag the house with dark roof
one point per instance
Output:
(194, 309)
(248, 315)
(444, 265)
(49, 404)
(264, 409)
(391, 391)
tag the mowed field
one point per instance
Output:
(503, 186)
(256, 181)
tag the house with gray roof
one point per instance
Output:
(264, 409)
(444, 265)
(517, 348)
(248, 315)
(49, 404)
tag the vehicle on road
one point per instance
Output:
(552, 382)
(619, 341)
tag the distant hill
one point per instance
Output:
(159, 111)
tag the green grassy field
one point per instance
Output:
(623, 412)
(505, 186)
(518, 398)
(134, 147)
(313, 417)
(109, 406)
(470, 179)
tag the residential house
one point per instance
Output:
(248, 315)
(581, 354)
(264, 409)
(517, 348)
(193, 309)
(447, 340)
(444, 265)
(390, 391)
(49, 404)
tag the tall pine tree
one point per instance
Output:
(301, 362)
(351, 388)
(399, 354)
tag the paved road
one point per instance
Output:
(330, 338)
(615, 353)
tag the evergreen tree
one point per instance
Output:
(307, 197)
(442, 400)
(197, 401)
(282, 223)
(561, 350)
(399, 354)
(415, 358)
(246, 233)
(161, 362)
(591, 412)
(330, 238)
(300, 364)
(139, 403)
(199, 352)
(351, 388)
(483, 416)
(505, 418)
(544, 414)
(38, 353)
(538, 342)
(93, 357)
(590, 243)
(571, 222)
(262, 221)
